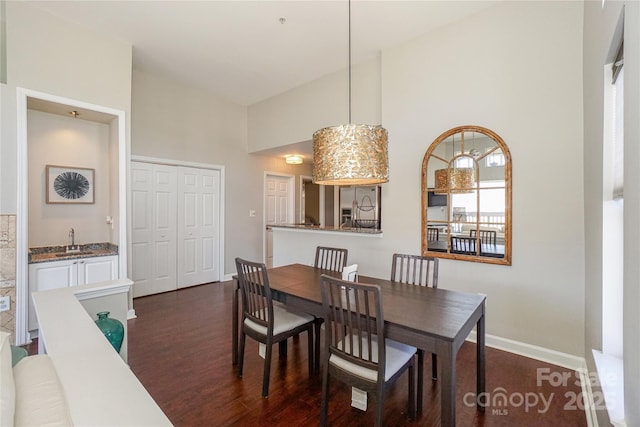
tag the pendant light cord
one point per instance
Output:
(349, 61)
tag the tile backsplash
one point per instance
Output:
(8, 271)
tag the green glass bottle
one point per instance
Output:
(112, 329)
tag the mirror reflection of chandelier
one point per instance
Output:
(454, 180)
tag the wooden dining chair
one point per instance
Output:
(421, 271)
(433, 234)
(463, 245)
(415, 270)
(489, 237)
(332, 259)
(266, 321)
(356, 351)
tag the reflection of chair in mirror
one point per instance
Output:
(488, 237)
(422, 271)
(433, 234)
(463, 245)
(265, 321)
(333, 259)
(356, 352)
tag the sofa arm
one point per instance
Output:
(40, 399)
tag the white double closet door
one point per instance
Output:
(175, 227)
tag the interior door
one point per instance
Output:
(278, 208)
(198, 226)
(153, 228)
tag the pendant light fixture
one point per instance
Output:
(350, 154)
(454, 179)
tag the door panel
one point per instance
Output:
(198, 226)
(153, 228)
(278, 208)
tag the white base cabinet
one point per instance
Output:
(73, 272)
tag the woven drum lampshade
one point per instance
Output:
(454, 180)
(350, 154)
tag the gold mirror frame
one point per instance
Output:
(450, 180)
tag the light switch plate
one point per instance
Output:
(5, 303)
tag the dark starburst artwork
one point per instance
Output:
(69, 184)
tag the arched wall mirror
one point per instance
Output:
(466, 197)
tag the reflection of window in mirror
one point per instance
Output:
(466, 196)
(495, 159)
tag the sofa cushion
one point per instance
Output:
(7, 385)
(40, 398)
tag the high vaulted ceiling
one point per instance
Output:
(247, 51)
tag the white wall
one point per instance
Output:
(8, 167)
(498, 70)
(172, 121)
(53, 56)
(65, 141)
(50, 55)
(295, 115)
(504, 73)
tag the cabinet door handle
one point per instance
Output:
(75, 262)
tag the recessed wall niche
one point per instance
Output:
(81, 140)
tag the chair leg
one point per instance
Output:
(282, 349)
(317, 326)
(243, 338)
(310, 351)
(411, 409)
(434, 366)
(379, 408)
(420, 380)
(324, 404)
(267, 370)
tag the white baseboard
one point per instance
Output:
(228, 276)
(532, 351)
(131, 314)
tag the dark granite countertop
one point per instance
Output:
(360, 230)
(59, 253)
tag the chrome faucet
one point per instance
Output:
(73, 247)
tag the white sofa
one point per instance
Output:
(77, 378)
(31, 392)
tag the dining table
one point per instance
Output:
(436, 320)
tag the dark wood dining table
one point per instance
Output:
(434, 320)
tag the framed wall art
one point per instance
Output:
(67, 184)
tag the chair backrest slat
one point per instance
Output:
(332, 259)
(489, 237)
(464, 245)
(355, 322)
(257, 303)
(433, 233)
(415, 270)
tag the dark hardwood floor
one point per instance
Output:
(180, 349)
